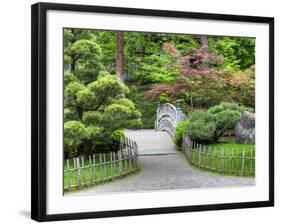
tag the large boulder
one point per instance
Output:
(245, 129)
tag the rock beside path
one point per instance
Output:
(245, 129)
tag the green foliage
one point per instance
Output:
(71, 92)
(117, 135)
(223, 106)
(155, 69)
(227, 119)
(201, 127)
(83, 54)
(209, 125)
(180, 130)
(238, 53)
(74, 135)
(95, 98)
(248, 109)
(145, 107)
(106, 87)
(227, 115)
(69, 77)
(97, 105)
(70, 113)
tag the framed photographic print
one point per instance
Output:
(139, 111)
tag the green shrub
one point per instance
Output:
(201, 127)
(116, 135)
(69, 77)
(227, 119)
(248, 109)
(180, 130)
(74, 135)
(224, 106)
(69, 114)
(228, 114)
(145, 107)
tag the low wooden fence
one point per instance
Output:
(224, 160)
(97, 168)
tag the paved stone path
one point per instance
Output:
(164, 168)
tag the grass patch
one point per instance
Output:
(225, 159)
(87, 175)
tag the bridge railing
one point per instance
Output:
(168, 116)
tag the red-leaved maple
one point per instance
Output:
(198, 63)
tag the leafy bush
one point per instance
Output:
(74, 135)
(69, 114)
(224, 106)
(227, 119)
(201, 127)
(248, 109)
(145, 107)
(95, 106)
(180, 130)
(116, 135)
(210, 125)
(155, 69)
(227, 114)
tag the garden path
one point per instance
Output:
(164, 168)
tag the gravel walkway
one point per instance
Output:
(164, 168)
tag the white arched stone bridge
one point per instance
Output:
(163, 167)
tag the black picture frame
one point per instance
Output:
(38, 110)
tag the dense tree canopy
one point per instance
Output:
(95, 107)
(113, 80)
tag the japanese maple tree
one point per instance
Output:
(198, 63)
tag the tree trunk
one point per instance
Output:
(72, 66)
(205, 47)
(191, 100)
(204, 43)
(120, 55)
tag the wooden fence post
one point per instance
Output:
(83, 170)
(114, 165)
(251, 162)
(75, 172)
(222, 160)
(232, 161)
(209, 158)
(94, 164)
(226, 157)
(137, 154)
(111, 165)
(237, 162)
(78, 172)
(104, 165)
(217, 162)
(91, 170)
(101, 168)
(129, 155)
(243, 161)
(120, 162)
(205, 166)
(200, 155)
(133, 155)
(68, 173)
(125, 158)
